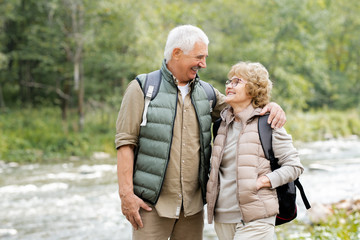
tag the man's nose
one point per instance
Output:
(202, 64)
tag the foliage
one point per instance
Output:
(324, 124)
(310, 47)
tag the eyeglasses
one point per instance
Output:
(235, 81)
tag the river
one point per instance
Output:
(78, 200)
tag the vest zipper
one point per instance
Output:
(168, 158)
(202, 149)
(237, 159)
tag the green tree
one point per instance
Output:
(342, 54)
(75, 54)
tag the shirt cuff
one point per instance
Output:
(123, 139)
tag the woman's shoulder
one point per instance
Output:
(280, 135)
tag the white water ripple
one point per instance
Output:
(79, 200)
(33, 188)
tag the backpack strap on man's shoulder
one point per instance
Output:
(215, 127)
(210, 92)
(150, 89)
(151, 79)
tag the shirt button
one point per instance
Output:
(179, 195)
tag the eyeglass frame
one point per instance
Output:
(234, 84)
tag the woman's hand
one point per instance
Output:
(263, 182)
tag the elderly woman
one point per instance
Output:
(241, 192)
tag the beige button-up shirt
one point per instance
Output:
(181, 187)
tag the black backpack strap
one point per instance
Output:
(152, 79)
(215, 127)
(302, 193)
(150, 90)
(265, 135)
(210, 92)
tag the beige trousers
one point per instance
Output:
(160, 228)
(251, 231)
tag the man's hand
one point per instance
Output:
(130, 203)
(277, 116)
(130, 206)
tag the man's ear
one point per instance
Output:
(176, 53)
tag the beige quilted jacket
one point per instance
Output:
(251, 164)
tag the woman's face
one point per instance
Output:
(236, 93)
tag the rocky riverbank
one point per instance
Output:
(320, 212)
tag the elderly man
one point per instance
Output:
(163, 165)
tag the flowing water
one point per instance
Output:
(79, 199)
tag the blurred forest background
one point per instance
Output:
(64, 64)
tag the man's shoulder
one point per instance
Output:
(141, 77)
(133, 89)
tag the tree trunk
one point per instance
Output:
(81, 93)
(78, 66)
(2, 102)
(77, 18)
(65, 101)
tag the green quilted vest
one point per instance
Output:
(153, 152)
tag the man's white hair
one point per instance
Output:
(183, 37)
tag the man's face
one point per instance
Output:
(189, 64)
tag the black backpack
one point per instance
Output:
(152, 85)
(287, 192)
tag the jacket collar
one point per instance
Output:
(247, 115)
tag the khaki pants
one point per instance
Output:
(159, 228)
(251, 231)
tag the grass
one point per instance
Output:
(38, 135)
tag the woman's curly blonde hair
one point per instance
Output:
(258, 85)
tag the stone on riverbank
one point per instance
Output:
(320, 212)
